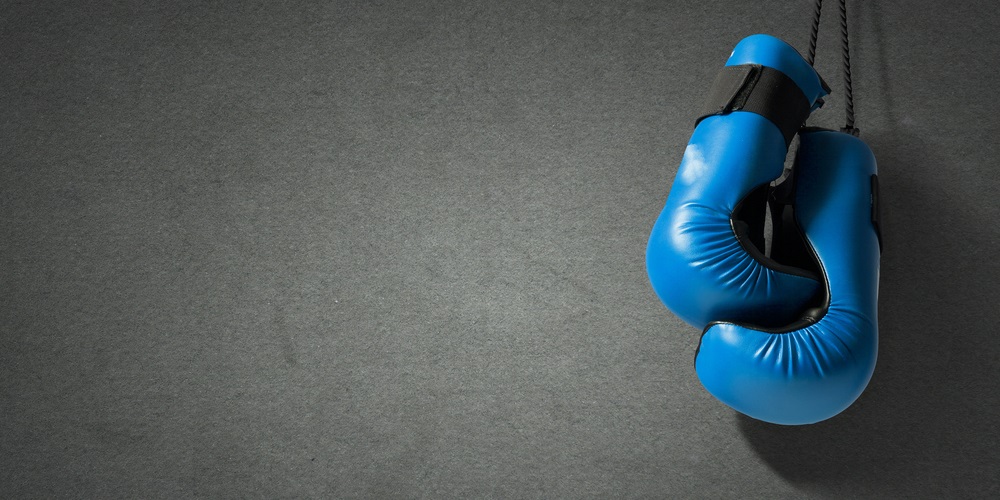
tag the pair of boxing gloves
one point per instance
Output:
(789, 328)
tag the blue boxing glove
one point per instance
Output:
(705, 256)
(811, 369)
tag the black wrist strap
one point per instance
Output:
(761, 90)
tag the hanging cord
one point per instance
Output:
(814, 32)
(846, 58)
(848, 87)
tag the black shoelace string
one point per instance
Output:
(845, 58)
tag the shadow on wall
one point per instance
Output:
(928, 423)
(927, 426)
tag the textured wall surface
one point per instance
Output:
(396, 249)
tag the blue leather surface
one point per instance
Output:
(695, 263)
(811, 373)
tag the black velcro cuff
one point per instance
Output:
(761, 90)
